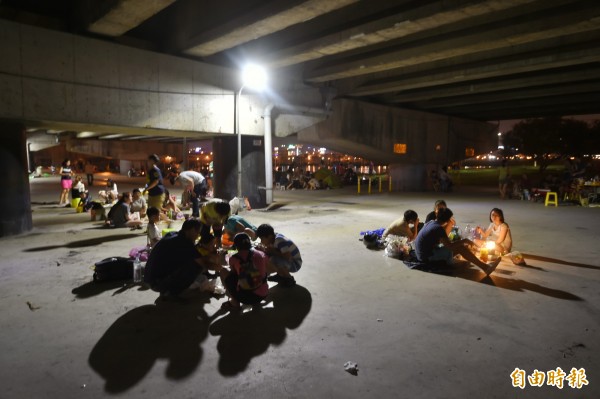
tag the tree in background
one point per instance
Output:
(548, 139)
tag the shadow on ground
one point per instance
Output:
(513, 284)
(173, 331)
(560, 261)
(93, 288)
(247, 335)
(131, 346)
(84, 243)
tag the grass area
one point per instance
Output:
(489, 176)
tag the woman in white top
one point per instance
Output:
(498, 231)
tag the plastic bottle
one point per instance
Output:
(137, 270)
(468, 232)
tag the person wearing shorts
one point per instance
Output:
(66, 181)
(155, 187)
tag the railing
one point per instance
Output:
(379, 180)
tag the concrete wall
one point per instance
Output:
(53, 76)
(15, 217)
(372, 130)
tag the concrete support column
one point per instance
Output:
(253, 169)
(15, 201)
(408, 177)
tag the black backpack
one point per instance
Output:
(113, 269)
(249, 277)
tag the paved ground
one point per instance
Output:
(412, 334)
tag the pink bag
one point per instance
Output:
(142, 252)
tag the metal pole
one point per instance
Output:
(239, 141)
(268, 156)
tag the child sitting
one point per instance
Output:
(153, 232)
(246, 283)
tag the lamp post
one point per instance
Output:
(254, 77)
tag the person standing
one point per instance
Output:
(66, 181)
(195, 183)
(155, 187)
(89, 172)
(503, 178)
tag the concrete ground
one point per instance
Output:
(412, 334)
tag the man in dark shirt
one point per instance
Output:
(434, 233)
(174, 264)
(155, 187)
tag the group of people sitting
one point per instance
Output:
(184, 259)
(433, 247)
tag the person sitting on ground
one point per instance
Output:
(402, 226)
(213, 215)
(439, 204)
(284, 255)
(153, 232)
(138, 203)
(207, 248)
(428, 248)
(119, 215)
(85, 201)
(195, 184)
(173, 264)
(237, 224)
(246, 282)
(312, 183)
(170, 204)
(78, 188)
(498, 232)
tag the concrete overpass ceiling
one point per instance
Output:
(478, 59)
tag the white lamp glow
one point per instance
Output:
(254, 77)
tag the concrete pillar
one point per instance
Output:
(253, 169)
(408, 177)
(15, 201)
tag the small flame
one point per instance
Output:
(490, 245)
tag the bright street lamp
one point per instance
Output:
(253, 77)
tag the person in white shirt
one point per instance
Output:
(154, 233)
(195, 184)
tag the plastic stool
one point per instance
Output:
(551, 199)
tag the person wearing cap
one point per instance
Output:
(246, 281)
(194, 183)
(155, 187)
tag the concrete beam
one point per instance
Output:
(414, 20)
(471, 89)
(526, 93)
(126, 15)
(525, 108)
(562, 22)
(496, 67)
(228, 36)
